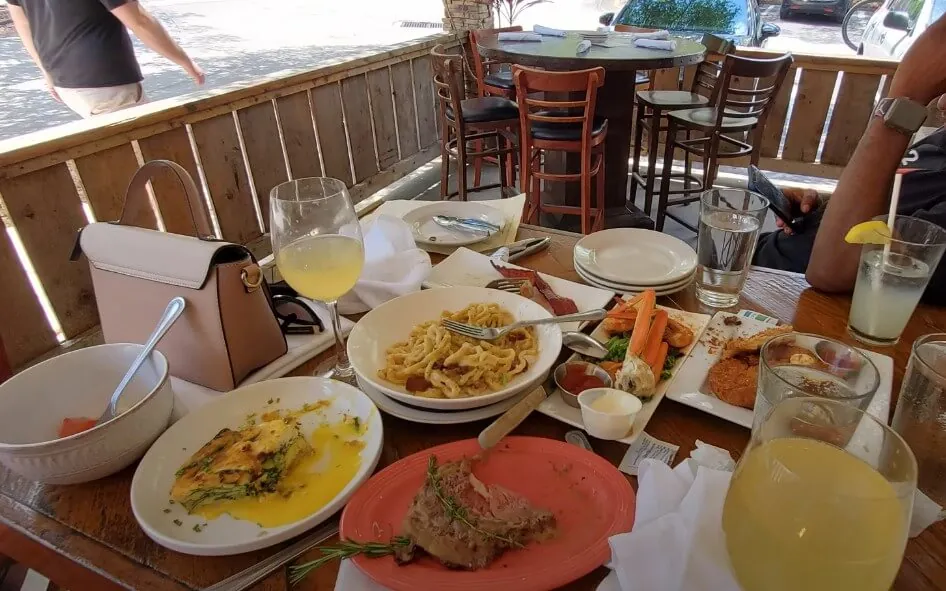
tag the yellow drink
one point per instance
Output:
(322, 268)
(802, 515)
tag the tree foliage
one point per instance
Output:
(680, 15)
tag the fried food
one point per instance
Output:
(678, 335)
(734, 380)
(752, 344)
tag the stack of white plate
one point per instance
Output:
(631, 260)
(594, 36)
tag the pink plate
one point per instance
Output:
(590, 498)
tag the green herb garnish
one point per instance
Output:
(617, 348)
(346, 549)
(178, 522)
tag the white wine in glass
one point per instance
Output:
(318, 247)
(820, 501)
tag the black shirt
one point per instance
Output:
(80, 43)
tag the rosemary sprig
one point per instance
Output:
(346, 549)
(454, 510)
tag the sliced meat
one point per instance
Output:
(560, 306)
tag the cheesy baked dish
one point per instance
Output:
(238, 464)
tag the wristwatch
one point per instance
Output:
(901, 114)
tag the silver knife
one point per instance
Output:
(523, 248)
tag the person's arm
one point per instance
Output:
(863, 190)
(147, 28)
(22, 26)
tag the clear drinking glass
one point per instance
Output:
(798, 364)
(920, 412)
(729, 228)
(890, 281)
(318, 247)
(820, 501)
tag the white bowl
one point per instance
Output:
(76, 384)
(392, 322)
(609, 425)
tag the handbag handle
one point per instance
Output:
(202, 226)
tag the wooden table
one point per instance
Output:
(85, 536)
(615, 98)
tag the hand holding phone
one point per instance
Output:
(790, 212)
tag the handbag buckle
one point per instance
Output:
(252, 277)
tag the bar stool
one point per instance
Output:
(567, 125)
(651, 107)
(732, 111)
(470, 120)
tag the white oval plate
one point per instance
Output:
(392, 322)
(660, 290)
(421, 221)
(635, 256)
(225, 535)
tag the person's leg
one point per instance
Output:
(787, 252)
(96, 101)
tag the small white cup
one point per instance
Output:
(609, 425)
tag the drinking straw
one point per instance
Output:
(892, 214)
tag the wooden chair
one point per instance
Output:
(651, 107)
(733, 111)
(561, 124)
(470, 120)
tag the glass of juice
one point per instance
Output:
(891, 279)
(820, 501)
(318, 247)
(729, 229)
(798, 364)
(920, 411)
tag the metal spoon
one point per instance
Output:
(171, 314)
(581, 343)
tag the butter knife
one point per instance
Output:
(512, 418)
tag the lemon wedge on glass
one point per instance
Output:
(872, 232)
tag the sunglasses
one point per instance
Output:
(295, 316)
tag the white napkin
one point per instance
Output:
(517, 36)
(677, 543)
(583, 47)
(350, 578)
(926, 512)
(394, 266)
(548, 31)
(653, 35)
(663, 44)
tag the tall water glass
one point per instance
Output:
(798, 364)
(890, 281)
(318, 247)
(820, 501)
(729, 228)
(920, 412)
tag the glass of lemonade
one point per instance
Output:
(798, 364)
(318, 247)
(811, 507)
(729, 229)
(891, 279)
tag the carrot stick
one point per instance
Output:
(658, 365)
(654, 337)
(642, 324)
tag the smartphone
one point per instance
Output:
(778, 202)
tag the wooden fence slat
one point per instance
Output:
(809, 115)
(775, 124)
(172, 145)
(299, 134)
(404, 109)
(23, 327)
(222, 162)
(852, 112)
(358, 123)
(105, 176)
(424, 97)
(382, 113)
(327, 108)
(47, 213)
(263, 152)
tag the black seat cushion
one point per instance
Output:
(542, 130)
(500, 80)
(485, 109)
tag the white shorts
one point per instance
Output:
(95, 101)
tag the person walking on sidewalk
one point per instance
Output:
(85, 53)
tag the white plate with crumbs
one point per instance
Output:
(340, 425)
(427, 231)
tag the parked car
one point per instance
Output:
(739, 21)
(894, 27)
(833, 8)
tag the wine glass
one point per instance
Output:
(318, 247)
(821, 500)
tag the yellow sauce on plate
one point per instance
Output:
(310, 485)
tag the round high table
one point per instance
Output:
(615, 99)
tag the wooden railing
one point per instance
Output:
(367, 121)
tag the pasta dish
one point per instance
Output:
(436, 363)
